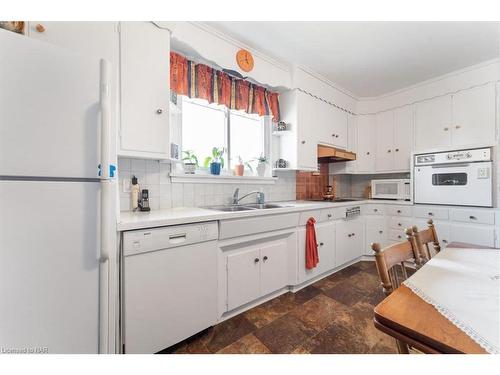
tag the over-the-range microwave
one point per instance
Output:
(398, 189)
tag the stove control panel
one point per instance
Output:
(460, 156)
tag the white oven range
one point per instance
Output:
(461, 178)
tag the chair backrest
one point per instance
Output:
(390, 262)
(424, 238)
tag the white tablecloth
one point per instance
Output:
(464, 286)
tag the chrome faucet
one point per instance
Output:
(260, 196)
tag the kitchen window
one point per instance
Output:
(205, 126)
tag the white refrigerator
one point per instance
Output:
(55, 198)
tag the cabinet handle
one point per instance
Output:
(375, 210)
(333, 135)
(446, 129)
(265, 258)
(399, 224)
(389, 151)
(336, 135)
(159, 111)
(430, 214)
(40, 28)
(303, 142)
(321, 244)
(399, 237)
(399, 211)
(348, 235)
(472, 217)
(329, 215)
(381, 231)
(256, 260)
(353, 234)
(397, 150)
(368, 153)
(445, 241)
(457, 127)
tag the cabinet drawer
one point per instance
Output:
(399, 211)
(332, 214)
(397, 235)
(373, 209)
(431, 212)
(473, 216)
(260, 224)
(304, 216)
(400, 223)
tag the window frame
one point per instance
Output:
(266, 130)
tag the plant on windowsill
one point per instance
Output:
(261, 165)
(216, 161)
(239, 169)
(190, 162)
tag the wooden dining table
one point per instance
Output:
(408, 318)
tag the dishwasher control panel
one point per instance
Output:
(145, 240)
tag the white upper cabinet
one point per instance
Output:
(338, 126)
(464, 119)
(307, 132)
(384, 160)
(403, 137)
(365, 155)
(145, 91)
(432, 124)
(473, 116)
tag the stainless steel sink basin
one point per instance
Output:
(231, 208)
(263, 206)
(245, 207)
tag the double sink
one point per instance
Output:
(245, 207)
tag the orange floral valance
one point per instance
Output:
(203, 82)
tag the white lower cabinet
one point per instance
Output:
(474, 234)
(257, 269)
(348, 240)
(325, 237)
(375, 231)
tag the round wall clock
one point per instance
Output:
(244, 60)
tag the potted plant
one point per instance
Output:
(239, 169)
(216, 161)
(190, 162)
(261, 165)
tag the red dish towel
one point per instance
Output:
(312, 258)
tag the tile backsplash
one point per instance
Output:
(353, 186)
(154, 176)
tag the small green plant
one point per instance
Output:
(217, 157)
(261, 159)
(245, 163)
(190, 157)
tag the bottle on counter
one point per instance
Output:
(135, 190)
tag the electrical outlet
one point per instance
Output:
(483, 173)
(126, 185)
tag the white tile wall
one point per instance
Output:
(154, 176)
(353, 186)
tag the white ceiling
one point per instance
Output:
(372, 58)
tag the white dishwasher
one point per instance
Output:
(169, 285)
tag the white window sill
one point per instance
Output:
(220, 179)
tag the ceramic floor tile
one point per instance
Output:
(248, 344)
(345, 293)
(227, 332)
(284, 334)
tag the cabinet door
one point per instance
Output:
(365, 158)
(307, 131)
(474, 116)
(338, 126)
(325, 234)
(384, 158)
(433, 124)
(348, 240)
(243, 277)
(403, 137)
(145, 93)
(482, 235)
(274, 268)
(376, 231)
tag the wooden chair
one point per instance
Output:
(422, 240)
(388, 260)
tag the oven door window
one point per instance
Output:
(449, 179)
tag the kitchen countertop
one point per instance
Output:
(183, 215)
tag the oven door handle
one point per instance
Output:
(450, 165)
